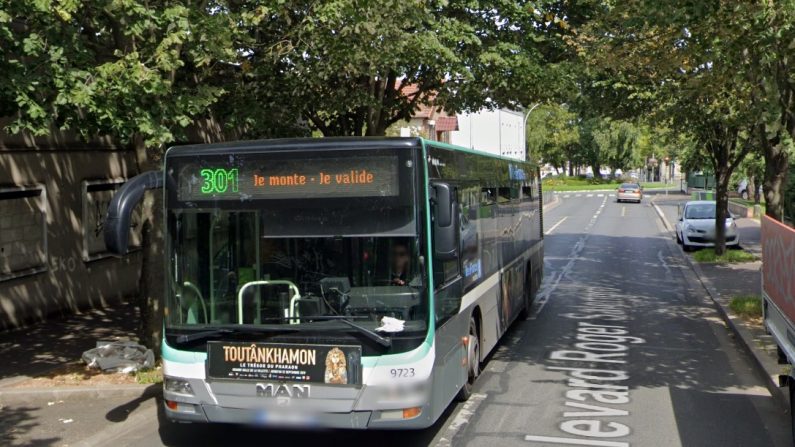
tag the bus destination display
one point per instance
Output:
(374, 176)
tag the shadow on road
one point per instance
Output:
(122, 412)
(687, 350)
(18, 424)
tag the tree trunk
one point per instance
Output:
(151, 284)
(776, 170)
(722, 175)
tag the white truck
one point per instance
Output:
(778, 292)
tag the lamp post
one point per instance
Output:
(524, 127)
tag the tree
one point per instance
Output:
(552, 135)
(619, 142)
(346, 62)
(677, 63)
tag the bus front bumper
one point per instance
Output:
(356, 420)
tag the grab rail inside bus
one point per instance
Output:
(197, 292)
(292, 313)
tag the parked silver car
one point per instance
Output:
(696, 226)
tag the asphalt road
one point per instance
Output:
(623, 349)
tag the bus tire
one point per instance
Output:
(473, 361)
(791, 387)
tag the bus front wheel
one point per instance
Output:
(473, 361)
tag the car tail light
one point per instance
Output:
(620, 190)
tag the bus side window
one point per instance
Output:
(527, 192)
(487, 196)
(503, 194)
(447, 280)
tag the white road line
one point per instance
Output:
(556, 225)
(575, 441)
(623, 211)
(542, 298)
(578, 195)
(461, 419)
(600, 195)
(589, 195)
(567, 196)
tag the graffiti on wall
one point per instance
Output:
(778, 264)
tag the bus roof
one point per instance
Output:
(453, 147)
(327, 143)
(287, 144)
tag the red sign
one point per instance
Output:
(778, 265)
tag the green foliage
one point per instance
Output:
(747, 306)
(729, 257)
(149, 376)
(120, 68)
(552, 135)
(133, 69)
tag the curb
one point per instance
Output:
(23, 395)
(552, 204)
(763, 362)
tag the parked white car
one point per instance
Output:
(742, 189)
(696, 226)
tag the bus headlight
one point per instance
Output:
(179, 386)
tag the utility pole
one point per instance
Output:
(524, 128)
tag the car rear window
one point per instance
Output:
(700, 211)
(629, 186)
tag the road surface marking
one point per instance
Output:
(578, 195)
(556, 225)
(461, 419)
(623, 211)
(549, 286)
(600, 195)
(589, 195)
(574, 441)
(567, 196)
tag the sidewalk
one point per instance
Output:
(46, 345)
(65, 416)
(724, 282)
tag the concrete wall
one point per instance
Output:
(53, 199)
(495, 131)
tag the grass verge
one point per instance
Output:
(730, 256)
(748, 306)
(149, 376)
(585, 184)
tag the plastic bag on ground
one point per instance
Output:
(119, 356)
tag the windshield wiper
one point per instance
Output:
(213, 333)
(372, 335)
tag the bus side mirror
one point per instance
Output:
(444, 222)
(117, 223)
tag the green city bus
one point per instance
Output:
(338, 282)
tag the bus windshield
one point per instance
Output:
(225, 269)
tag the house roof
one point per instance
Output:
(430, 111)
(446, 123)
